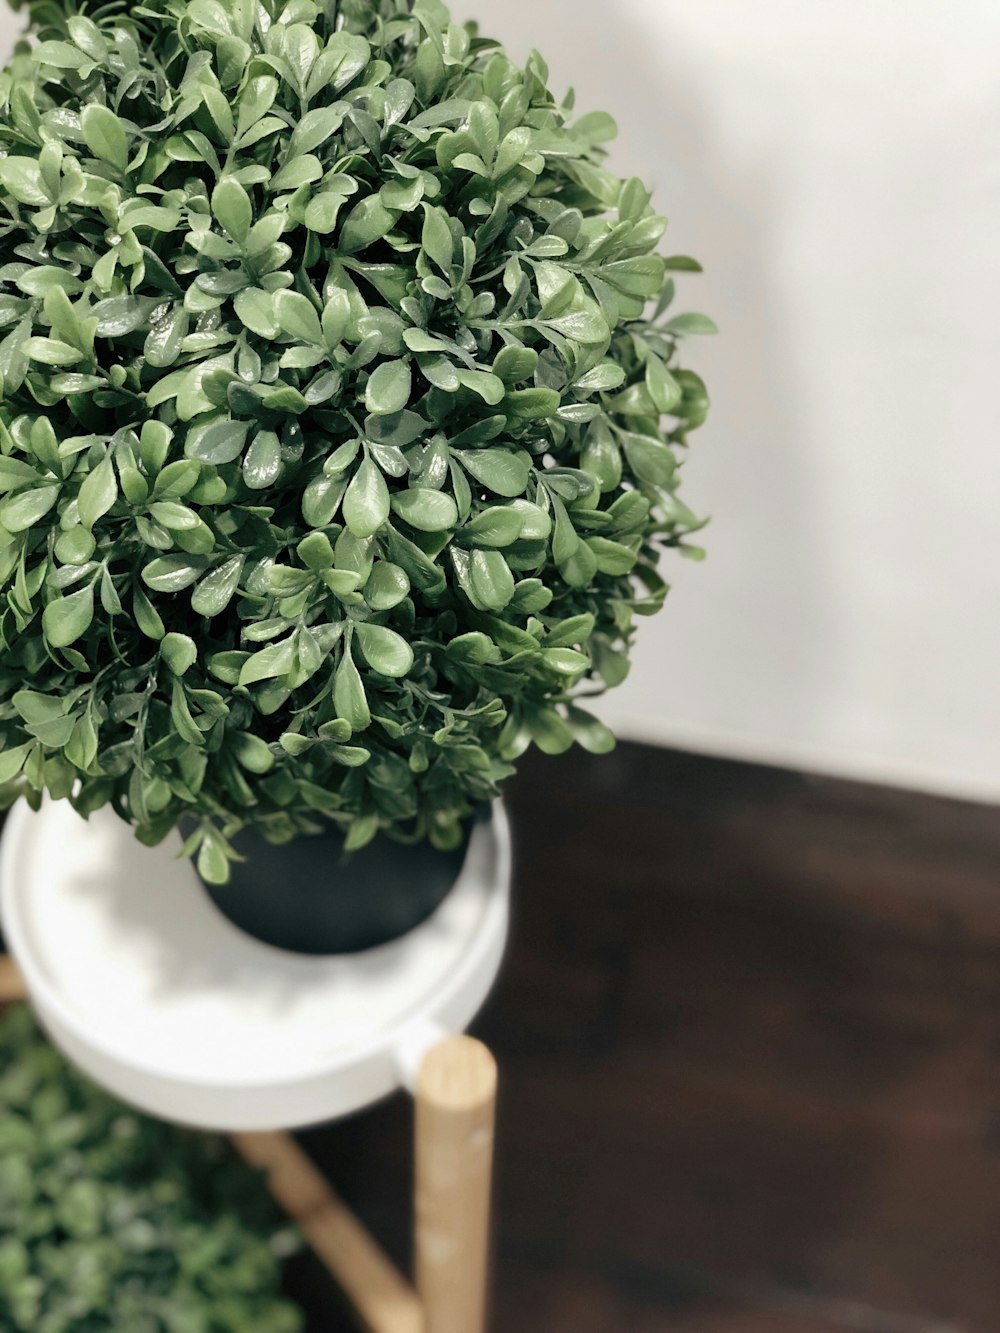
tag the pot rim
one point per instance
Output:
(50, 999)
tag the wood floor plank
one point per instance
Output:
(749, 1040)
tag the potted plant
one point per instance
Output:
(109, 1220)
(340, 435)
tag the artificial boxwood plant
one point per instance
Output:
(340, 421)
(113, 1223)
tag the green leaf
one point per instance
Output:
(146, 617)
(119, 315)
(255, 310)
(435, 239)
(661, 386)
(25, 510)
(98, 492)
(549, 732)
(218, 443)
(297, 171)
(215, 589)
(584, 323)
(515, 364)
(385, 651)
(252, 753)
(315, 552)
(366, 503)
(52, 352)
(22, 178)
(688, 324)
(500, 470)
(321, 500)
(595, 127)
(682, 264)
(165, 338)
(213, 867)
(232, 208)
(649, 459)
(491, 579)
(322, 210)
(349, 696)
(386, 587)
(388, 388)
(68, 619)
(298, 317)
(313, 129)
(104, 135)
(171, 573)
(12, 760)
(277, 659)
(498, 525)
(262, 461)
(179, 652)
(366, 223)
(565, 661)
(589, 732)
(427, 510)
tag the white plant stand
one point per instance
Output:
(150, 990)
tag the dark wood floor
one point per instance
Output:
(749, 1038)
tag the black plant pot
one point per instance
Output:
(312, 897)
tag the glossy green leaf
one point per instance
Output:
(297, 317)
(366, 502)
(262, 461)
(388, 388)
(384, 650)
(22, 178)
(104, 135)
(217, 443)
(52, 352)
(214, 590)
(435, 239)
(349, 697)
(171, 573)
(491, 579)
(232, 208)
(179, 651)
(496, 526)
(256, 311)
(691, 324)
(427, 510)
(25, 510)
(501, 471)
(386, 587)
(98, 492)
(68, 618)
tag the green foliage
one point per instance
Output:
(110, 1221)
(338, 444)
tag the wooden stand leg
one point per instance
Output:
(383, 1300)
(455, 1109)
(11, 981)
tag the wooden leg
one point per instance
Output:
(11, 981)
(383, 1300)
(455, 1109)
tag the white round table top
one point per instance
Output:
(146, 984)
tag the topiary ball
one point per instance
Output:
(338, 444)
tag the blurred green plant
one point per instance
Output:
(112, 1221)
(341, 416)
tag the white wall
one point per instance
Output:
(837, 169)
